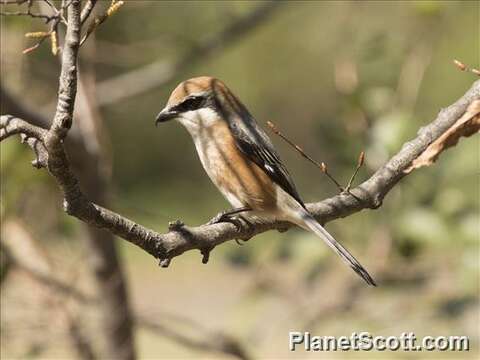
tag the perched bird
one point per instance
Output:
(240, 159)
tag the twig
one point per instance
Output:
(52, 6)
(41, 35)
(115, 5)
(10, 2)
(87, 9)
(47, 18)
(361, 160)
(460, 65)
(295, 146)
(29, 12)
(31, 48)
(322, 166)
(324, 169)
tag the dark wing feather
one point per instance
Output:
(256, 145)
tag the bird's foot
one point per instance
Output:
(228, 216)
(241, 223)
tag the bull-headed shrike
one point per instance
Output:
(240, 159)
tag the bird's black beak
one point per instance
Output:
(165, 115)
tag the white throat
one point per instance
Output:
(198, 121)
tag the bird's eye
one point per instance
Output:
(190, 103)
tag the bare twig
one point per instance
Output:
(10, 2)
(272, 126)
(361, 160)
(51, 5)
(55, 19)
(87, 9)
(47, 18)
(460, 65)
(322, 166)
(101, 19)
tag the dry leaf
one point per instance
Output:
(467, 125)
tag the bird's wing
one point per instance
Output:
(257, 146)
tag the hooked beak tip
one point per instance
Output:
(164, 116)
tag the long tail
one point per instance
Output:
(309, 223)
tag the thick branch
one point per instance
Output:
(85, 161)
(368, 195)
(67, 89)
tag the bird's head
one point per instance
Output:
(200, 101)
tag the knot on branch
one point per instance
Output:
(164, 263)
(37, 164)
(206, 254)
(68, 207)
(376, 202)
(176, 225)
(75, 204)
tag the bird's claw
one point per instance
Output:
(224, 216)
(240, 222)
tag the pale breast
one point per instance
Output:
(240, 180)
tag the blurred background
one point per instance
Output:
(337, 78)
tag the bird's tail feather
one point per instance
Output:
(309, 223)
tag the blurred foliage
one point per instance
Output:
(337, 77)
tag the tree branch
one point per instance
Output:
(13, 125)
(88, 163)
(68, 78)
(180, 238)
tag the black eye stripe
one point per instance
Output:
(190, 103)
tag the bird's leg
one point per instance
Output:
(226, 216)
(248, 228)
